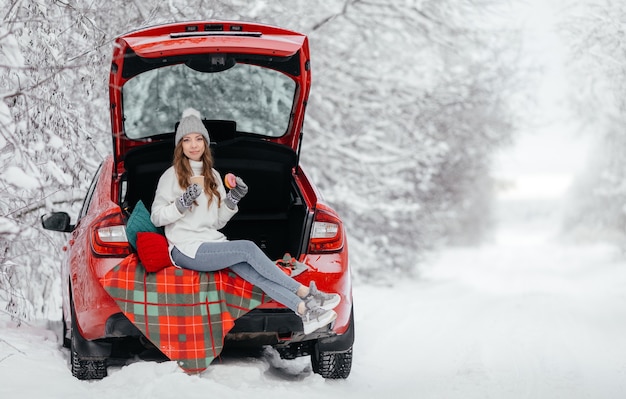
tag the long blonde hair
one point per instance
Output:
(184, 172)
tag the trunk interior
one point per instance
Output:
(272, 214)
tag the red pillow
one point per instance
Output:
(153, 251)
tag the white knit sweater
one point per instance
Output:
(187, 230)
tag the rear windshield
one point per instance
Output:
(258, 99)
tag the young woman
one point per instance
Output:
(192, 215)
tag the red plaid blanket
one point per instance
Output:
(184, 313)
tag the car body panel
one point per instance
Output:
(233, 36)
(84, 269)
(166, 46)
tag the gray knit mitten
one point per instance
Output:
(236, 194)
(189, 196)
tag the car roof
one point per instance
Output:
(204, 37)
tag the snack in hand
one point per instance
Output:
(230, 180)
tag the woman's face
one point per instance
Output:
(193, 146)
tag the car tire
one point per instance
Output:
(87, 369)
(84, 368)
(332, 357)
(332, 365)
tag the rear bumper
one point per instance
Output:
(281, 322)
(257, 328)
(281, 327)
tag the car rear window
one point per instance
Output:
(258, 99)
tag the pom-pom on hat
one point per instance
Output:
(190, 122)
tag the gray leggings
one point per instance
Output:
(247, 260)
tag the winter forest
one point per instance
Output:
(411, 101)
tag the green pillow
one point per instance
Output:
(139, 221)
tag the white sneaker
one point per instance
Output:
(321, 299)
(316, 317)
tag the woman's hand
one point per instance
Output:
(189, 196)
(236, 194)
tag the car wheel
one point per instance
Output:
(333, 365)
(84, 368)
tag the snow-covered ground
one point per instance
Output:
(527, 316)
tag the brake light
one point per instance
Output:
(109, 236)
(326, 233)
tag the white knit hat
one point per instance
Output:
(190, 122)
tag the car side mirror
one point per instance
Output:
(57, 221)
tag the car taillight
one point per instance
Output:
(326, 233)
(109, 236)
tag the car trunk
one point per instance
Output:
(272, 214)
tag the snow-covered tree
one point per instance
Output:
(595, 29)
(50, 125)
(409, 100)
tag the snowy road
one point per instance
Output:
(524, 317)
(528, 317)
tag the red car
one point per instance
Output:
(251, 82)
